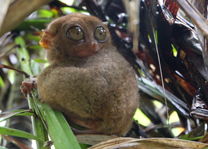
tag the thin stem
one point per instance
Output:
(12, 68)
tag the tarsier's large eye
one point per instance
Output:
(100, 34)
(75, 33)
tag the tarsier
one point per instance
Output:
(87, 79)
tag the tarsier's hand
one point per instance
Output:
(28, 85)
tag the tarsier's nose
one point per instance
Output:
(94, 46)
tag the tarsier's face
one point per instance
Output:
(79, 35)
(88, 40)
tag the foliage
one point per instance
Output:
(169, 62)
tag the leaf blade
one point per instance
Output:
(61, 134)
(17, 133)
(7, 115)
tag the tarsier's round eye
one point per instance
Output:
(75, 33)
(100, 33)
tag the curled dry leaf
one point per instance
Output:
(4, 7)
(150, 143)
(93, 139)
(26, 7)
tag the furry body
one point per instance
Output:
(98, 92)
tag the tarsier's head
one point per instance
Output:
(75, 35)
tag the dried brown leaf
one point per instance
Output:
(150, 143)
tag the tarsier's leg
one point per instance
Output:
(28, 85)
(87, 126)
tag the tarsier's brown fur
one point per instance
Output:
(99, 91)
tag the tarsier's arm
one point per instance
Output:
(46, 42)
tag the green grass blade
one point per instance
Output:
(17, 133)
(41, 132)
(58, 129)
(7, 115)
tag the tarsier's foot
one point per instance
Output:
(28, 85)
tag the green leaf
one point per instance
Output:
(17, 133)
(187, 137)
(30, 24)
(38, 125)
(40, 60)
(1, 82)
(174, 50)
(58, 128)
(6, 115)
(35, 47)
(41, 132)
(67, 10)
(84, 146)
(35, 67)
(23, 55)
(1, 147)
(32, 37)
(43, 13)
(141, 118)
(56, 125)
(11, 76)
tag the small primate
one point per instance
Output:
(87, 79)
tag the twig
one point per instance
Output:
(12, 68)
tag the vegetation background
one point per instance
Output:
(165, 42)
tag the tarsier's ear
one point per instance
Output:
(45, 39)
(48, 35)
